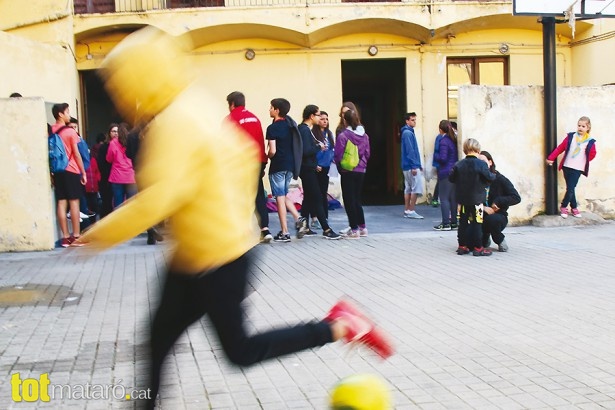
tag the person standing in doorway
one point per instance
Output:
(69, 183)
(411, 167)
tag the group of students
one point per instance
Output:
(105, 171)
(307, 151)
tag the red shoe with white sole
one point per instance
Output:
(360, 329)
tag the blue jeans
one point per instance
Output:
(279, 182)
(572, 178)
(122, 192)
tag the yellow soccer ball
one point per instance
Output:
(361, 392)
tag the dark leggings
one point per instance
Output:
(312, 197)
(571, 176)
(352, 187)
(493, 225)
(323, 184)
(470, 231)
(219, 294)
(261, 201)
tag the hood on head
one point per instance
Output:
(145, 72)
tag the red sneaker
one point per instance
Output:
(65, 242)
(360, 329)
(463, 250)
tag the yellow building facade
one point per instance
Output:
(388, 57)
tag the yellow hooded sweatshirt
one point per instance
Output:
(199, 176)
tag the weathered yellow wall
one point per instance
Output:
(592, 59)
(508, 122)
(36, 69)
(27, 212)
(15, 14)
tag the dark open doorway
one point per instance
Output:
(98, 108)
(378, 88)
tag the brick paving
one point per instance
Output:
(529, 329)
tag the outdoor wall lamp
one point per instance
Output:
(504, 48)
(250, 54)
(372, 50)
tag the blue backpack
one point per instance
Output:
(84, 151)
(58, 160)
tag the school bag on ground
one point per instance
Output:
(58, 160)
(351, 156)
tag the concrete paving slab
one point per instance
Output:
(530, 328)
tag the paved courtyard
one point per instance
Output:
(533, 328)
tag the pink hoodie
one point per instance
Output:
(121, 166)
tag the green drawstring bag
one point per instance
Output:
(351, 156)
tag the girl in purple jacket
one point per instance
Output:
(352, 181)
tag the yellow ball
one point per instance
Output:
(361, 392)
(145, 72)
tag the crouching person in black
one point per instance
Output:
(501, 195)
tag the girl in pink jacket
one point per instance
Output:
(122, 176)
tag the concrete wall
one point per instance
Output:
(26, 209)
(509, 123)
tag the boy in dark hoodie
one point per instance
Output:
(471, 177)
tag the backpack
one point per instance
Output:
(58, 160)
(84, 151)
(351, 156)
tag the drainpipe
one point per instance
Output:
(550, 111)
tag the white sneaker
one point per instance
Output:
(346, 231)
(80, 216)
(413, 215)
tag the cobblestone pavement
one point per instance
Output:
(533, 328)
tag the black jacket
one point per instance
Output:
(310, 147)
(503, 194)
(471, 176)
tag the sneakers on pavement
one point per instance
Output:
(435, 203)
(363, 232)
(481, 252)
(412, 215)
(463, 250)
(310, 232)
(300, 223)
(359, 328)
(282, 237)
(352, 235)
(576, 213)
(330, 234)
(315, 224)
(503, 246)
(266, 236)
(563, 212)
(442, 227)
(345, 231)
(65, 242)
(454, 227)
